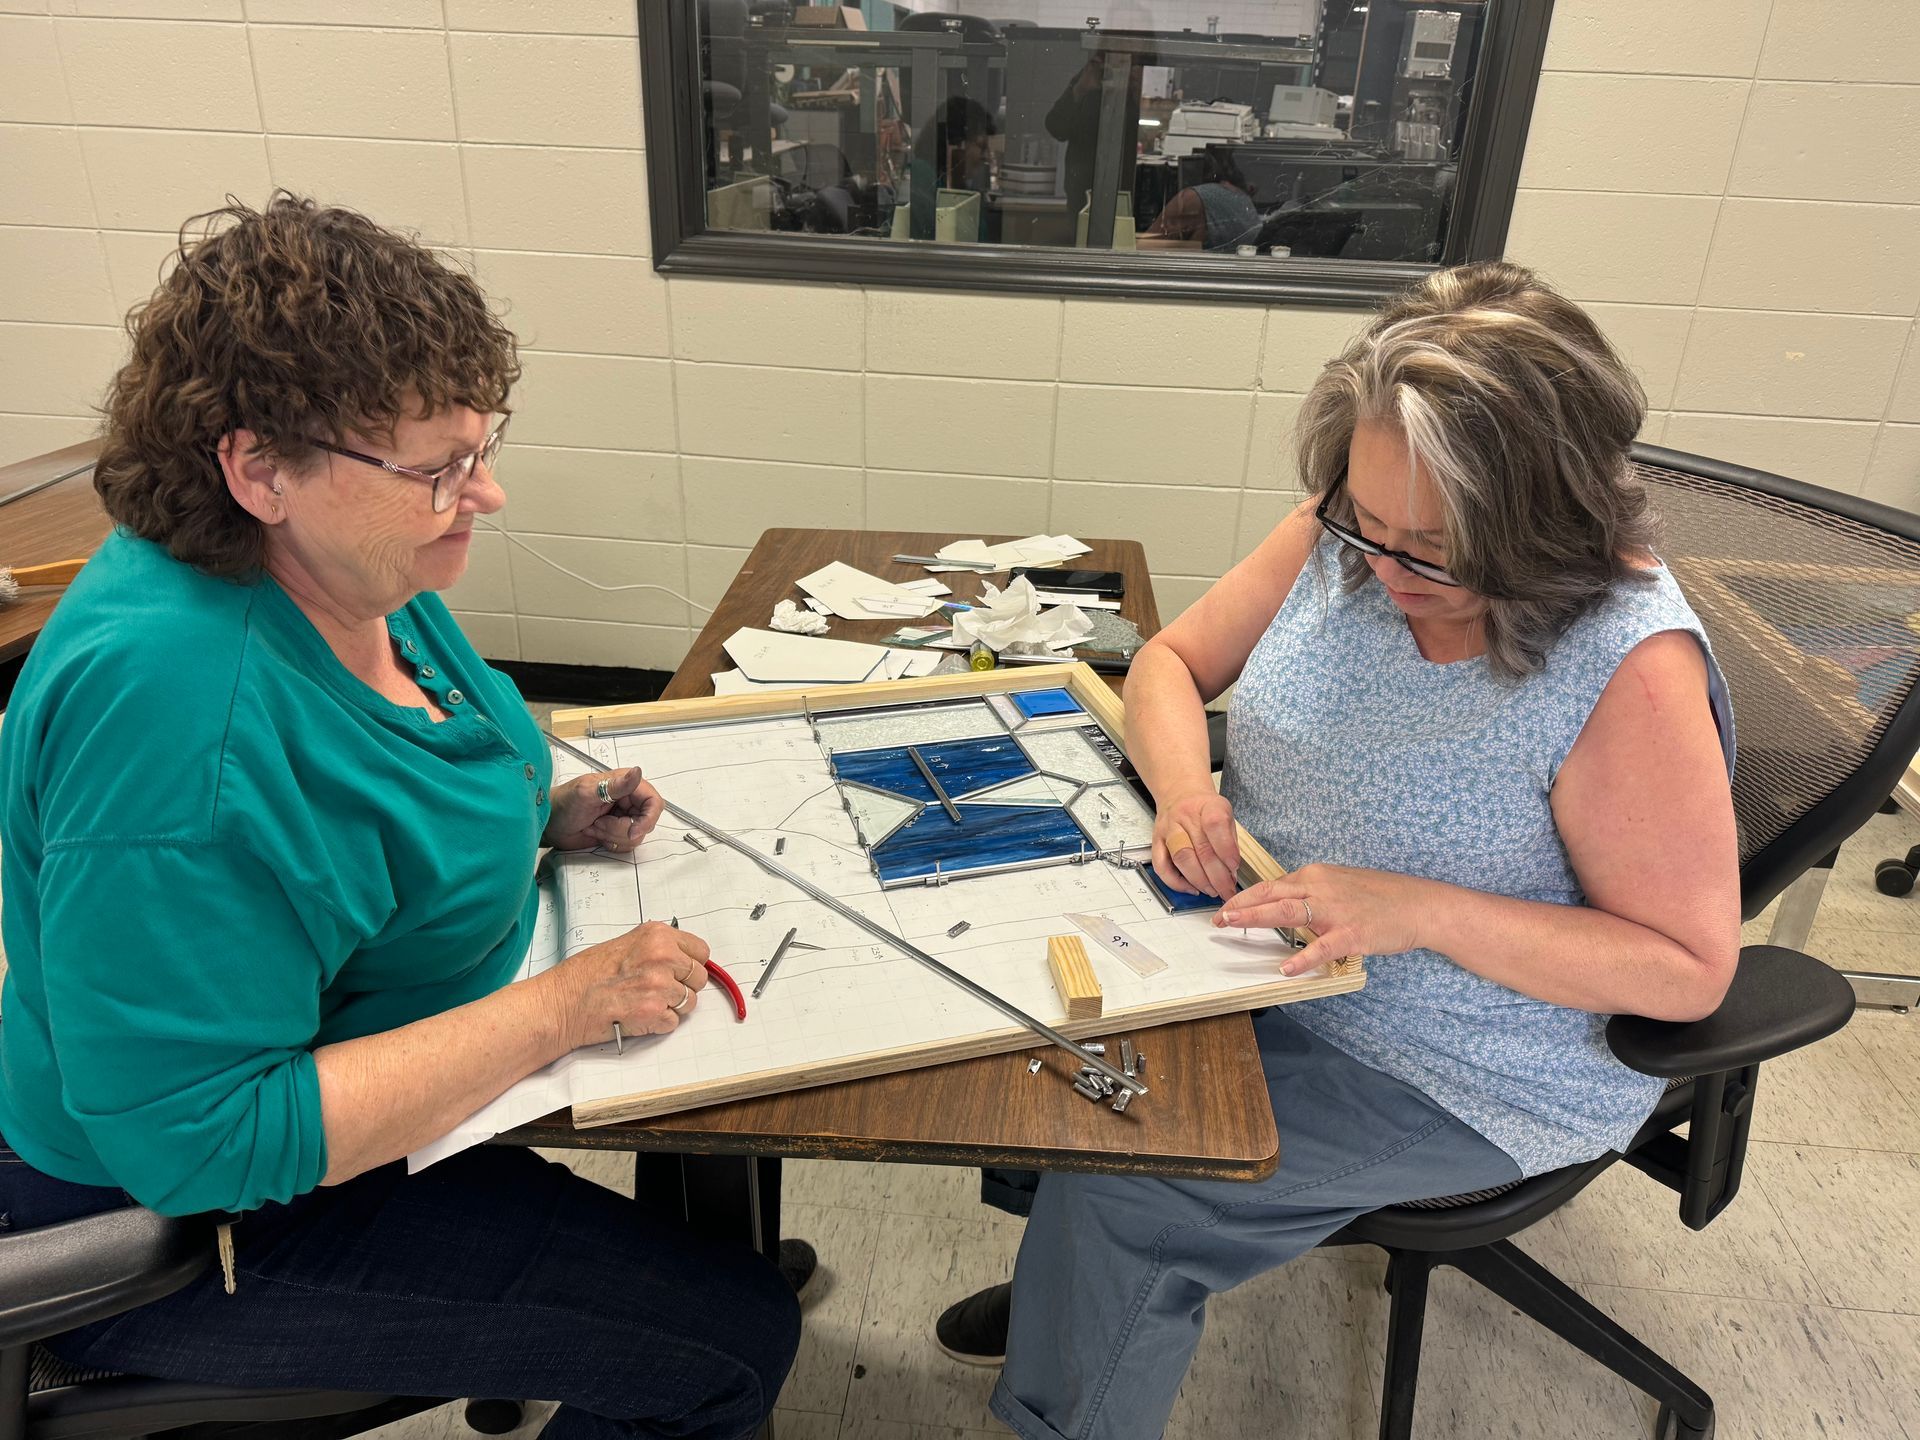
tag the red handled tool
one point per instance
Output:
(728, 984)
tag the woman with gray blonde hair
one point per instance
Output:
(1478, 722)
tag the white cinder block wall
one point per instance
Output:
(1731, 184)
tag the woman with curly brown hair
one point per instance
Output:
(269, 827)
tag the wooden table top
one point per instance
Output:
(62, 522)
(1205, 1114)
(783, 556)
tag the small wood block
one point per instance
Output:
(1073, 976)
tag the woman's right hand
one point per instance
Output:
(1196, 846)
(635, 980)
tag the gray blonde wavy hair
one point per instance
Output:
(1511, 399)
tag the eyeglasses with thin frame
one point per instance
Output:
(1354, 540)
(449, 482)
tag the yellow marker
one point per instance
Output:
(981, 656)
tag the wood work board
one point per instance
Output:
(584, 726)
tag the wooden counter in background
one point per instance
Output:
(64, 521)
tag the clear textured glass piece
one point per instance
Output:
(1067, 752)
(877, 813)
(1115, 817)
(922, 725)
(1028, 790)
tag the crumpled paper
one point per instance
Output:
(1012, 620)
(793, 620)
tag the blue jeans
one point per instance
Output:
(492, 1273)
(1110, 1292)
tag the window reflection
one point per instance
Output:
(1246, 128)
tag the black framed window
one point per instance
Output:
(1328, 151)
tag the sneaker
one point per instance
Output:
(974, 1331)
(797, 1263)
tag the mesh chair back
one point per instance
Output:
(1812, 601)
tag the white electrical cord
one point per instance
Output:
(513, 539)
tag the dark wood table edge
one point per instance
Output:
(556, 1132)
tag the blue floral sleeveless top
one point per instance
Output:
(1346, 746)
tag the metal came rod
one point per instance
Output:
(939, 790)
(880, 932)
(984, 566)
(36, 486)
(779, 950)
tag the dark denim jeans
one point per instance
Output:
(492, 1273)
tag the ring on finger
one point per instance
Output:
(1307, 905)
(686, 999)
(605, 792)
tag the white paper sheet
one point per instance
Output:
(766, 655)
(902, 664)
(732, 682)
(1074, 598)
(855, 595)
(1038, 550)
(899, 664)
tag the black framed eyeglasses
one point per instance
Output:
(1354, 540)
(449, 482)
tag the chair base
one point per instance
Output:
(1876, 991)
(135, 1406)
(1669, 1426)
(1686, 1411)
(494, 1417)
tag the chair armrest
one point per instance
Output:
(60, 1276)
(1779, 1001)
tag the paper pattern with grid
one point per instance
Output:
(855, 998)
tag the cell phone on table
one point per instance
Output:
(1110, 584)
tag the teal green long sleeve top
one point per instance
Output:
(220, 850)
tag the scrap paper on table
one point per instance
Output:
(1036, 550)
(855, 595)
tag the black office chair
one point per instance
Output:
(1808, 597)
(62, 1276)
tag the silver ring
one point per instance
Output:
(685, 999)
(1307, 905)
(605, 792)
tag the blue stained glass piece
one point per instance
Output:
(986, 835)
(962, 766)
(891, 769)
(1178, 901)
(1045, 702)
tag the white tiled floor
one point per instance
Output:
(1799, 1309)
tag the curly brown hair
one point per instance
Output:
(297, 321)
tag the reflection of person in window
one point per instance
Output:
(1218, 212)
(951, 153)
(1074, 120)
